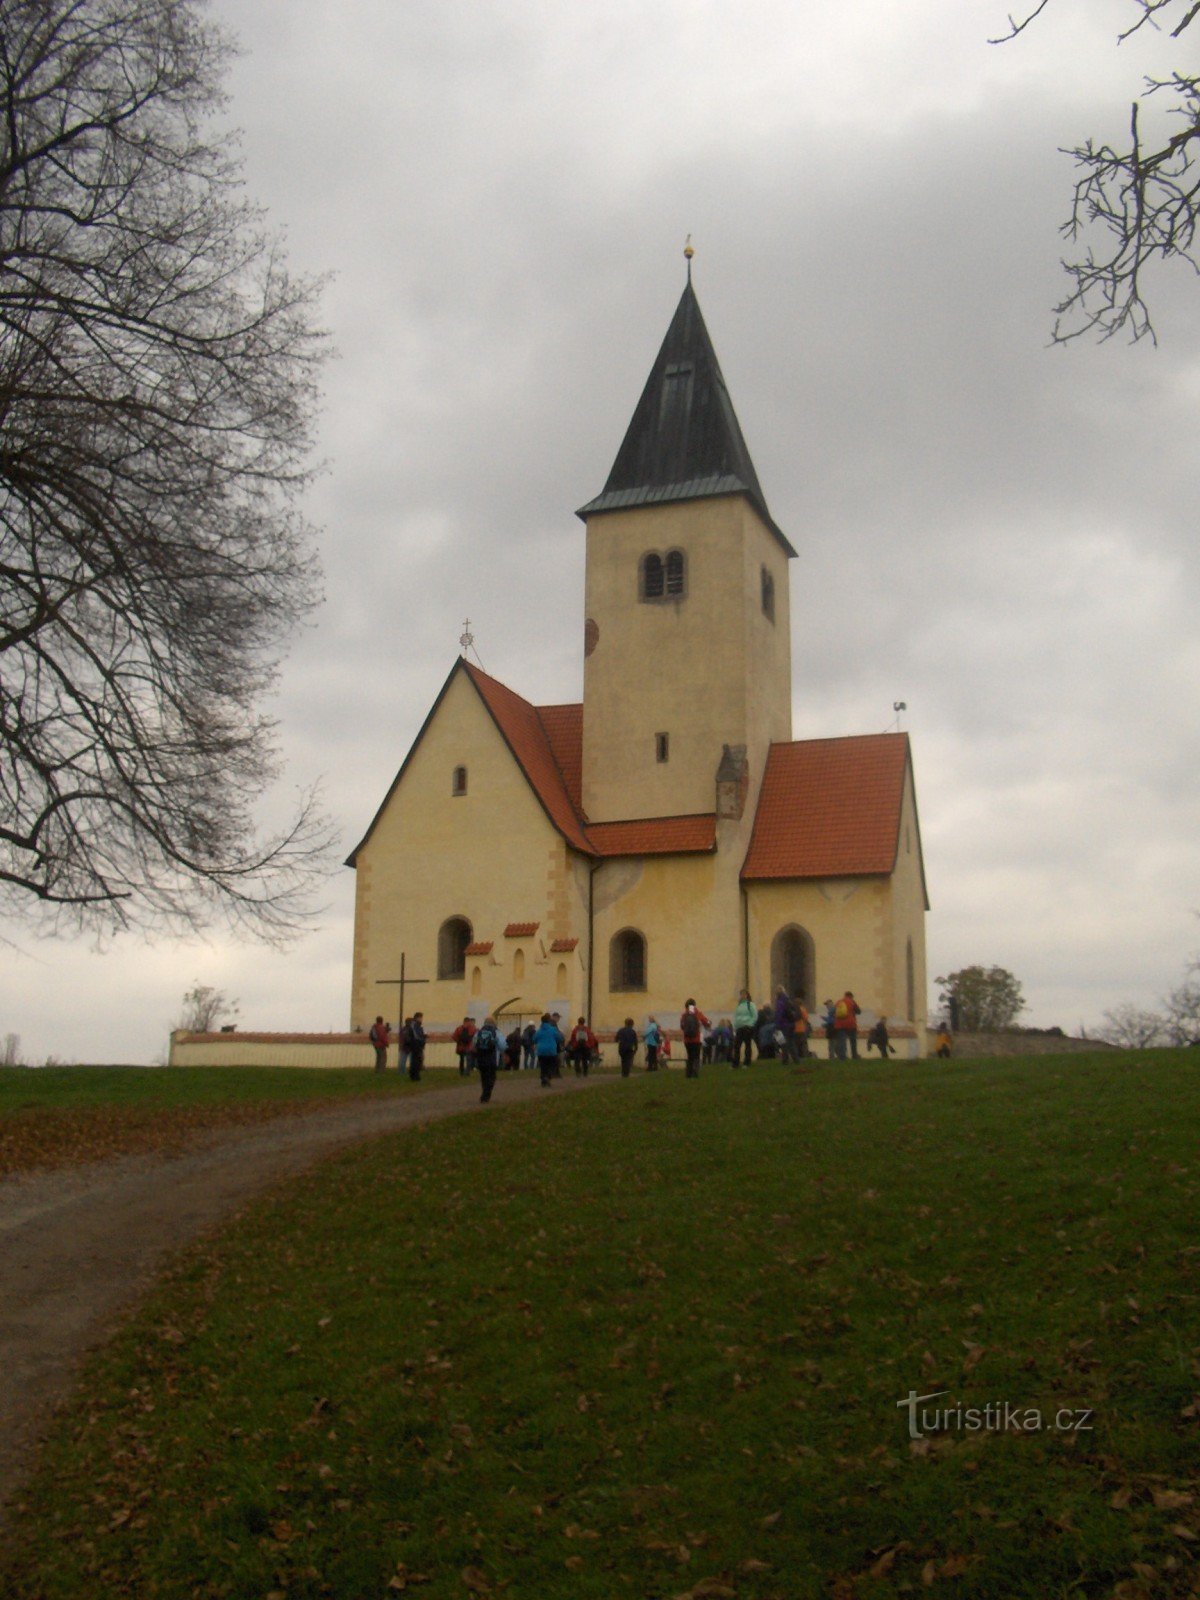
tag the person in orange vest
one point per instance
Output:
(380, 1038)
(803, 1029)
(845, 1022)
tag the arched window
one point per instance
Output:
(793, 964)
(768, 595)
(627, 960)
(676, 573)
(458, 784)
(562, 977)
(453, 938)
(651, 586)
(518, 965)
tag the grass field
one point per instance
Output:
(54, 1116)
(651, 1341)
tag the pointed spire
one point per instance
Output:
(684, 441)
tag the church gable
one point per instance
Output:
(831, 808)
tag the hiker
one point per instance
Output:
(745, 1022)
(785, 1023)
(878, 1037)
(828, 1018)
(513, 1050)
(722, 1039)
(764, 1032)
(845, 1022)
(556, 1019)
(626, 1041)
(652, 1039)
(404, 1041)
(583, 1046)
(380, 1038)
(416, 1046)
(486, 1045)
(462, 1037)
(943, 1044)
(528, 1034)
(547, 1042)
(692, 1022)
(803, 1029)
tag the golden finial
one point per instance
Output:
(689, 253)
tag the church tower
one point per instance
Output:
(687, 632)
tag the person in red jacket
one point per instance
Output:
(845, 1022)
(582, 1045)
(380, 1038)
(692, 1022)
(463, 1037)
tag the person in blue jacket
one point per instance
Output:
(547, 1042)
(652, 1038)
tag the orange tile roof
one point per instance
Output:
(563, 726)
(521, 930)
(562, 946)
(829, 808)
(524, 732)
(655, 836)
(481, 947)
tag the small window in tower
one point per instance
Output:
(662, 746)
(458, 784)
(652, 577)
(676, 573)
(768, 595)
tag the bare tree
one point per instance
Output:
(1136, 204)
(1183, 1011)
(204, 1008)
(1132, 1028)
(158, 372)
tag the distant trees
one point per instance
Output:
(205, 1008)
(981, 999)
(1132, 1028)
(1136, 204)
(158, 371)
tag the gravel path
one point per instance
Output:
(77, 1247)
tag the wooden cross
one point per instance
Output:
(403, 980)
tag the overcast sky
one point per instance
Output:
(997, 532)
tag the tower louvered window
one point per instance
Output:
(652, 577)
(676, 573)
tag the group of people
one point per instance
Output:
(781, 1030)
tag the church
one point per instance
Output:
(666, 838)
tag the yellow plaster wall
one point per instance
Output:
(859, 927)
(491, 855)
(708, 669)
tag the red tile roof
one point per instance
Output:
(525, 735)
(829, 808)
(655, 836)
(481, 947)
(562, 946)
(563, 727)
(521, 930)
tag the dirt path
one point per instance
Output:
(77, 1247)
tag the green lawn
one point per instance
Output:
(650, 1341)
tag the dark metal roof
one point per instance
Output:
(684, 442)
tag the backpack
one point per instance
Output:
(841, 1011)
(690, 1025)
(579, 1038)
(486, 1039)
